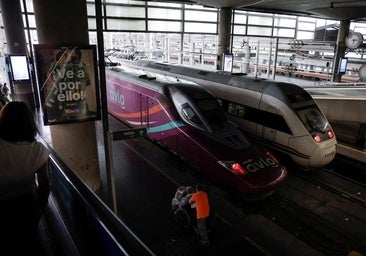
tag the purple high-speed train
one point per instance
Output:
(188, 120)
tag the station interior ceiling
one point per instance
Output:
(354, 10)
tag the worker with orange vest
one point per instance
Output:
(200, 199)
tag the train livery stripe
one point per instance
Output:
(166, 127)
(152, 110)
(280, 147)
(139, 123)
(160, 128)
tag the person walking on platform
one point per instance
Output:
(200, 199)
(4, 93)
(24, 185)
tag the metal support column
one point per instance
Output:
(17, 45)
(340, 48)
(224, 35)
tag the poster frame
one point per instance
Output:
(74, 104)
(19, 70)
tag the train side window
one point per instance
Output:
(241, 112)
(231, 109)
(258, 116)
(190, 114)
(236, 110)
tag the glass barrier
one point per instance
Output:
(80, 223)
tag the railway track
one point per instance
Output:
(339, 184)
(296, 212)
(307, 226)
(322, 209)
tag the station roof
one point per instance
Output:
(354, 10)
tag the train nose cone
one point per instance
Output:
(323, 155)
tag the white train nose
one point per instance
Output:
(323, 154)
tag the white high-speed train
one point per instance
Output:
(283, 116)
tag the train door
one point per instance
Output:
(144, 110)
(269, 132)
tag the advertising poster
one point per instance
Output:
(68, 84)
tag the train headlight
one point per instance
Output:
(233, 167)
(330, 134)
(238, 169)
(272, 156)
(320, 137)
(317, 138)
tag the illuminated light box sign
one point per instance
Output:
(68, 83)
(343, 65)
(228, 62)
(19, 68)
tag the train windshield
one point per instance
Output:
(211, 110)
(313, 119)
(197, 107)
